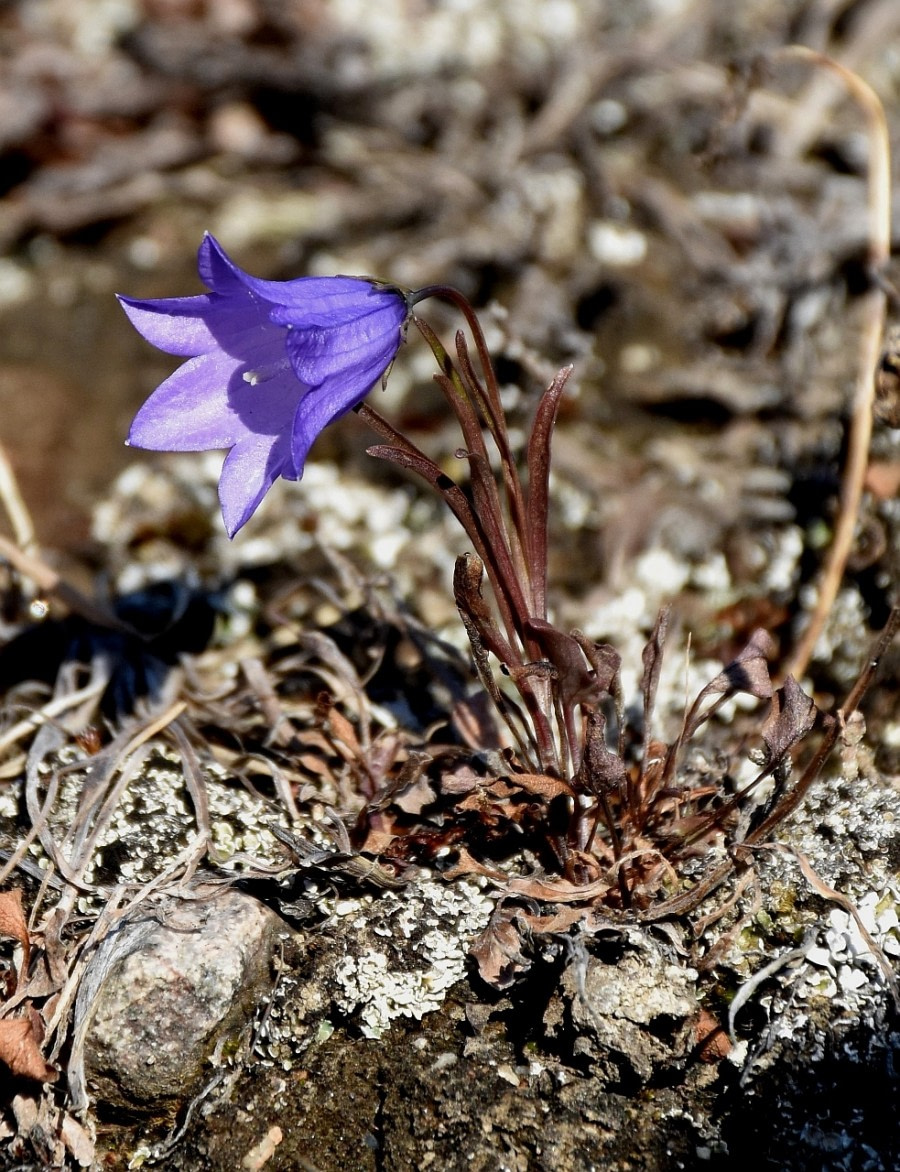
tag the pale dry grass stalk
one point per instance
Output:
(874, 311)
(14, 504)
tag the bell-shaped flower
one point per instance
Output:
(270, 364)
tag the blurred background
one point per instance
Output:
(643, 188)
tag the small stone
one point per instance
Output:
(179, 991)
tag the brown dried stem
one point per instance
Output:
(874, 308)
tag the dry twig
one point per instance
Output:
(874, 308)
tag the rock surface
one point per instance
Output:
(175, 989)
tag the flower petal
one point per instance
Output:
(207, 403)
(307, 302)
(191, 411)
(270, 364)
(325, 403)
(217, 270)
(317, 354)
(249, 471)
(328, 302)
(180, 325)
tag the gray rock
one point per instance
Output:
(172, 989)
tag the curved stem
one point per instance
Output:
(875, 308)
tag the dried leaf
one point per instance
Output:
(887, 381)
(378, 832)
(560, 921)
(826, 892)
(652, 657)
(484, 635)
(14, 924)
(343, 731)
(575, 680)
(461, 779)
(475, 723)
(792, 715)
(602, 770)
(749, 670)
(412, 770)
(467, 864)
(883, 479)
(542, 785)
(538, 461)
(710, 1037)
(19, 1050)
(468, 574)
(558, 890)
(603, 658)
(498, 950)
(314, 765)
(486, 504)
(415, 797)
(538, 671)
(78, 1141)
(491, 802)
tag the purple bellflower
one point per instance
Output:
(270, 364)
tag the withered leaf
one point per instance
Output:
(541, 784)
(314, 765)
(380, 832)
(538, 460)
(77, 1141)
(460, 779)
(883, 479)
(603, 658)
(468, 574)
(342, 730)
(749, 670)
(602, 770)
(416, 796)
(467, 864)
(652, 657)
(887, 381)
(483, 633)
(12, 916)
(561, 920)
(19, 1050)
(558, 890)
(710, 1038)
(498, 950)
(575, 680)
(14, 924)
(792, 715)
(475, 721)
